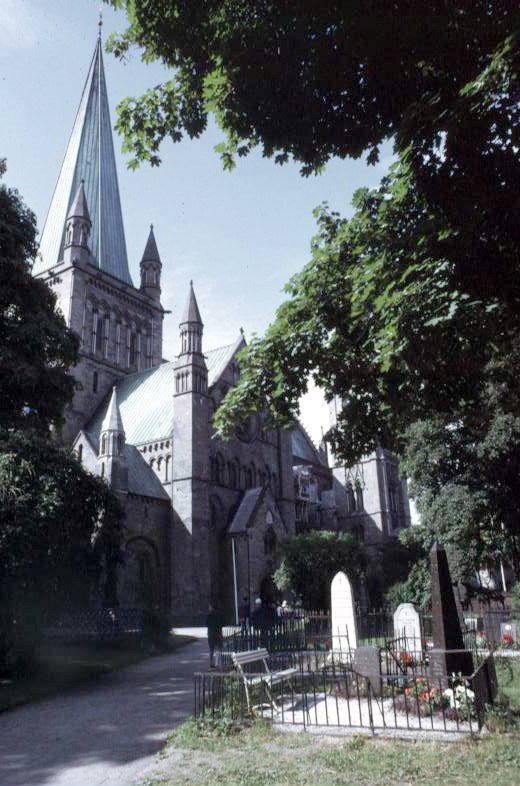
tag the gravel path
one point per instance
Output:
(101, 734)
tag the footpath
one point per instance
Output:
(103, 733)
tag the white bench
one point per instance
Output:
(268, 678)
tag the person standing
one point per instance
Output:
(243, 615)
(215, 639)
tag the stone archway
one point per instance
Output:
(139, 576)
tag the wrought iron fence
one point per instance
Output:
(335, 695)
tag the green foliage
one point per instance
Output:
(310, 561)
(57, 523)
(36, 348)
(515, 597)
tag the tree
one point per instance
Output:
(36, 348)
(59, 525)
(465, 477)
(310, 561)
(377, 317)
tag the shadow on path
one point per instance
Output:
(103, 733)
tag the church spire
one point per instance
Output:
(89, 157)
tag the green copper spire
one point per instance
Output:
(89, 157)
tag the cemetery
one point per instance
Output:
(413, 675)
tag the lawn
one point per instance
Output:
(259, 756)
(59, 666)
(207, 752)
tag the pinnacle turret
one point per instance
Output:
(112, 446)
(77, 229)
(191, 310)
(191, 326)
(151, 268)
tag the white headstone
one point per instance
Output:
(407, 625)
(343, 614)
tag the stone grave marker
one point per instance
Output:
(508, 633)
(449, 655)
(407, 625)
(343, 615)
(367, 663)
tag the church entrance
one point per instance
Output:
(268, 592)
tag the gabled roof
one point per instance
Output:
(89, 156)
(145, 399)
(303, 447)
(246, 510)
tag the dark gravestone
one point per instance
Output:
(367, 663)
(448, 655)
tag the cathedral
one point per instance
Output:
(203, 519)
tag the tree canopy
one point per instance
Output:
(59, 525)
(36, 348)
(309, 562)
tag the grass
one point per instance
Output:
(222, 751)
(508, 675)
(259, 756)
(57, 667)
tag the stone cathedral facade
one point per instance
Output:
(203, 519)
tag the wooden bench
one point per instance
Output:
(268, 678)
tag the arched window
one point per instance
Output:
(270, 542)
(96, 331)
(220, 469)
(359, 496)
(351, 500)
(102, 469)
(94, 382)
(106, 335)
(232, 473)
(159, 465)
(118, 343)
(248, 477)
(80, 452)
(267, 475)
(152, 464)
(253, 475)
(103, 444)
(120, 443)
(167, 467)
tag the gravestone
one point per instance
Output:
(367, 663)
(508, 633)
(407, 625)
(343, 616)
(448, 655)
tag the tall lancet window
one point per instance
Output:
(138, 351)
(95, 329)
(106, 334)
(118, 343)
(128, 343)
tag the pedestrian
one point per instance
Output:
(215, 640)
(243, 615)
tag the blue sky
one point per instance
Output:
(239, 235)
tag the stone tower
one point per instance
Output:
(191, 474)
(82, 255)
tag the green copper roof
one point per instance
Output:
(145, 399)
(89, 156)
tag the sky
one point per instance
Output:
(240, 236)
